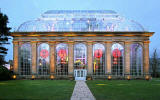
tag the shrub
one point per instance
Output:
(5, 74)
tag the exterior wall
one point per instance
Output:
(127, 41)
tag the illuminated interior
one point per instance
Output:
(62, 59)
(43, 59)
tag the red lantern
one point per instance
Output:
(62, 53)
(116, 53)
(98, 53)
(44, 53)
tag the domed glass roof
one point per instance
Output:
(80, 20)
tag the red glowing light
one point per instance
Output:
(116, 53)
(44, 53)
(98, 53)
(62, 53)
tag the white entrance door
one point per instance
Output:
(80, 74)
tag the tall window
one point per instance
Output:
(43, 59)
(136, 60)
(62, 59)
(80, 56)
(25, 59)
(117, 59)
(98, 59)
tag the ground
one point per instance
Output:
(62, 89)
(125, 90)
(36, 89)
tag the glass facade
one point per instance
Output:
(98, 59)
(117, 59)
(136, 59)
(25, 59)
(43, 59)
(62, 59)
(81, 20)
(80, 59)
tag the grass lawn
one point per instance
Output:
(36, 89)
(125, 90)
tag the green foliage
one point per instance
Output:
(154, 64)
(4, 33)
(36, 89)
(5, 74)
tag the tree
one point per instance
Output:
(154, 63)
(4, 33)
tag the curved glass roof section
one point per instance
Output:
(80, 20)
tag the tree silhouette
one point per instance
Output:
(4, 33)
(154, 63)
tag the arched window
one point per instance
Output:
(62, 59)
(98, 59)
(136, 59)
(80, 56)
(25, 59)
(117, 59)
(43, 59)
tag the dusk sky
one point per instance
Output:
(146, 12)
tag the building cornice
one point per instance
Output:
(81, 34)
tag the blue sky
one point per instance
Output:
(146, 12)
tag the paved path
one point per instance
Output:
(82, 92)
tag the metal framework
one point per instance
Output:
(43, 59)
(80, 20)
(62, 59)
(80, 56)
(136, 59)
(117, 59)
(98, 59)
(25, 59)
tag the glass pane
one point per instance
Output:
(43, 59)
(136, 60)
(98, 59)
(25, 59)
(62, 59)
(80, 56)
(117, 59)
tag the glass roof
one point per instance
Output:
(80, 20)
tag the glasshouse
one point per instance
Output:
(81, 44)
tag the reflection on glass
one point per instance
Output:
(98, 59)
(43, 59)
(62, 59)
(136, 59)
